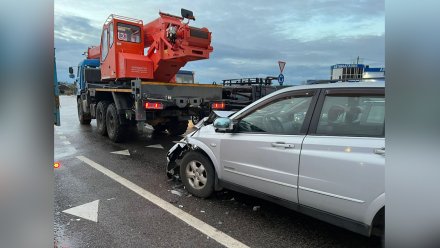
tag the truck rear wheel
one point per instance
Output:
(176, 127)
(114, 127)
(159, 128)
(84, 118)
(195, 119)
(101, 112)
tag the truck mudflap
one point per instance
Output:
(175, 153)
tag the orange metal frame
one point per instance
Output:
(170, 42)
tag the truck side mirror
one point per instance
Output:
(223, 124)
(71, 75)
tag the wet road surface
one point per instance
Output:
(109, 200)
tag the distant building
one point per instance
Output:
(350, 72)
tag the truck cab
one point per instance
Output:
(122, 50)
(88, 71)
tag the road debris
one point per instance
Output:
(175, 192)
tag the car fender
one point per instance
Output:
(202, 146)
(374, 207)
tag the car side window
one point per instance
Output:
(282, 116)
(360, 115)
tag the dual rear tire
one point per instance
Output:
(108, 121)
(101, 112)
(115, 129)
(84, 118)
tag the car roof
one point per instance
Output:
(333, 85)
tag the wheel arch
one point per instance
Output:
(374, 209)
(199, 146)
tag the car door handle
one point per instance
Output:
(380, 151)
(282, 144)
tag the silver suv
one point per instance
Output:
(318, 149)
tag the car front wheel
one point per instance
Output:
(197, 173)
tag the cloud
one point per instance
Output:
(249, 37)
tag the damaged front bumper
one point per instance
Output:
(180, 148)
(175, 153)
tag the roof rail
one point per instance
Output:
(129, 19)
(326, 81)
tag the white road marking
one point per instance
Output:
(88, 211)
(123, 152)
(203, 227)
(66, 142)
(155, 146)
(63, 137)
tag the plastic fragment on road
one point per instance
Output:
(175, 192)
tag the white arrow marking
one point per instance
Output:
(155, 146)
(88, 211)
(123, 152)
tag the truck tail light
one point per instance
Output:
(153, 105)
(218, 105)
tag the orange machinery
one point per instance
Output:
(171, 43)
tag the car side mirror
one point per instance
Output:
(223, 124)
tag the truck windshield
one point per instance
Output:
(129, 33)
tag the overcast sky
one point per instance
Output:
(249, 37)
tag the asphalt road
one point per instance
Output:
(119, 213)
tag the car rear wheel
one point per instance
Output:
(197, 174)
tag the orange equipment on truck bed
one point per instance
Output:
(170, 41)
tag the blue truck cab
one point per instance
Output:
(88, 72)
